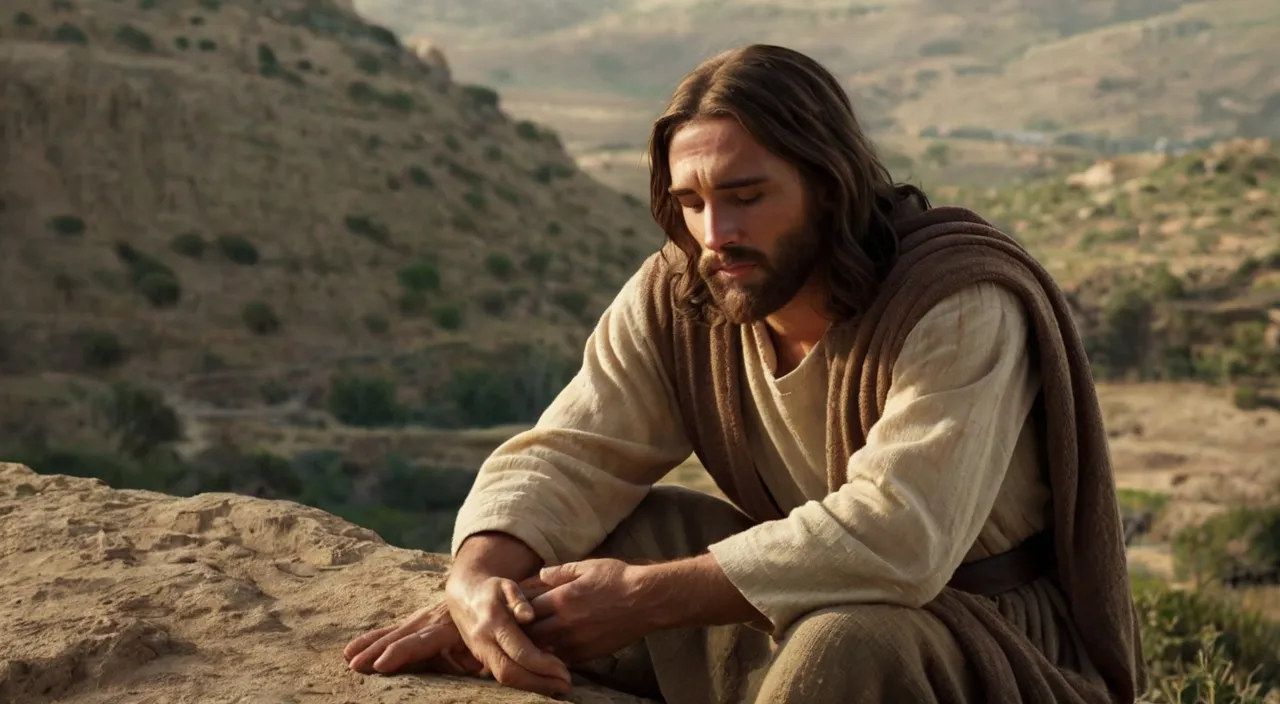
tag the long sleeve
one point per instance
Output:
(922, 487)
(612, 432)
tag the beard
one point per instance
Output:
(774, 282)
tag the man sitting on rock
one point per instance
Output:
(892, 396)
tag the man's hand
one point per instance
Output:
(427, 641)
(596, 607)
(593, 608)
(490, 614)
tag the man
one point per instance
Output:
(892, 396)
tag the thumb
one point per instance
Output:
(559, 575)
(516, 602)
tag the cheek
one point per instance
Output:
(771, 221)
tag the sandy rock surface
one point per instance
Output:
(128, 596)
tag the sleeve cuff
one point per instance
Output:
(738, 559)
(525, 532)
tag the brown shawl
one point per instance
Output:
(943, 250)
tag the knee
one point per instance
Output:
(866, 632)
(868, 653)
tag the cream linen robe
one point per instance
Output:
(951, 472)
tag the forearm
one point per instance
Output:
(693, 592)
(490, 554)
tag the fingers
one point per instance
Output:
(520, 649)
(415, 648)
(458, 660)
(361, 652)
(548, 604)
(516, 602)
(357, 645)
(508, 672)
(547, 634)
(533, 586)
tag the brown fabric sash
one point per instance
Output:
(994, 575)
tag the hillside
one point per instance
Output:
(1050, 76)
(230, 201)
(1174, 262)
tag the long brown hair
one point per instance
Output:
(797, 110)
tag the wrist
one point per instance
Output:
(663, 596)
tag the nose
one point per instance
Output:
(719, 228)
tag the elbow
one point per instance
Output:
(937, 564)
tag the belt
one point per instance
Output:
(1026, 563)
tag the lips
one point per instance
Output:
(737, 269)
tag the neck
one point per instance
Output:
(797, 326)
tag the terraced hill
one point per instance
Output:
(230, 200)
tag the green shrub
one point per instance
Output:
(189, 244)
(419, 176)
(572, 300)
(139, 418)
(515, 387)
(260, 318)
(69, 225)
(528, 131)
(1246, 398)
(1196, 642)
(160, 289)
(135, 39)
(546, 173)
(24, 19)
(449, 317)
(398, 100)
(482, 96)
(208, 45)
(412, 487)
(238, 249)
(383, 36)
(102, 349)
(369, 228)
(68, 33)
(364, 401)
(419, 276)
(499, 266)
(1242, 537)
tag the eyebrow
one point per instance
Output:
(724, 185)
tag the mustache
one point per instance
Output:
(732, 255)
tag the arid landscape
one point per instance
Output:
(336, 254)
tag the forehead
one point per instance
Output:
(717, 148)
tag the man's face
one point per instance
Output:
(746, 208)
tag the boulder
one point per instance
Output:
(133, 596)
